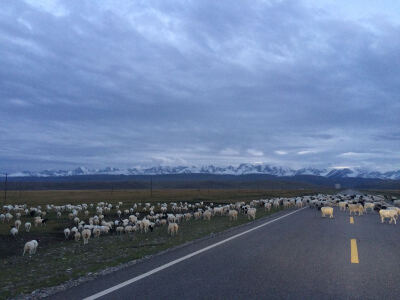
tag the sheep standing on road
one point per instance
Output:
(354, 208)
(327, 211)
(388, 214)
(342, 206)
(370, 206)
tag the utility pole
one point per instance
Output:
(151, 186)
(5, 190)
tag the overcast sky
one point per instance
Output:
(140, 83)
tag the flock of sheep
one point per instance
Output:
(94, 220)
(357, 204)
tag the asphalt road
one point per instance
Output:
(301, 256)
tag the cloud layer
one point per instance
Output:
(115, 83)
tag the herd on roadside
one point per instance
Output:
(95, 220)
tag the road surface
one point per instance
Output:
(299, 256)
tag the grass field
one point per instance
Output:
(59, 260)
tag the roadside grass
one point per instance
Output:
(65, 260)
(59, 260)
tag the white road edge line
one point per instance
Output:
(167, 265)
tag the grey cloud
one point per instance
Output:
(102, 84)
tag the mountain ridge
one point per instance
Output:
(242, 169)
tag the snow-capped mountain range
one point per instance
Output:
(211, 169)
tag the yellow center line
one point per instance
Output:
(351, 220)
(354, 251)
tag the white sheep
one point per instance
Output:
(144, 225)
(342, 205)
(207, 215)
(86, 233)
(96, 232)
(173, 228)
(77, 236)
(388, 214)
(2, 218)
(251, 213)
(9, 217)
(327, 211)
(67, 233)
(119, 229)
(31, 247)
(17, 224)
(370, 206)
(233, 214)
(267, 206)
(28, 226)
(13, 231)
(37, 221)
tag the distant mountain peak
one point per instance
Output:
(242, 169)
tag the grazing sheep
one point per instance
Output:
(67, 233)
(327, 211)
(197, 215)
(132, 218)
(17, 224)
(233, 214)
(342, 206)
(31, 247)
(37, 221)
(388, 214)
(144, 225)
(267, 206)
(119, 229)
(77, 236)
(188, 216)
(129, 229)
(9, 217)
(207, 215)
(370, 206)
(173, 228)
(28, 226)
(354, 208)
(86, 233)
(14, 231)
(251, 213)
(96, 232)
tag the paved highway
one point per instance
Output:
(298, 256)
